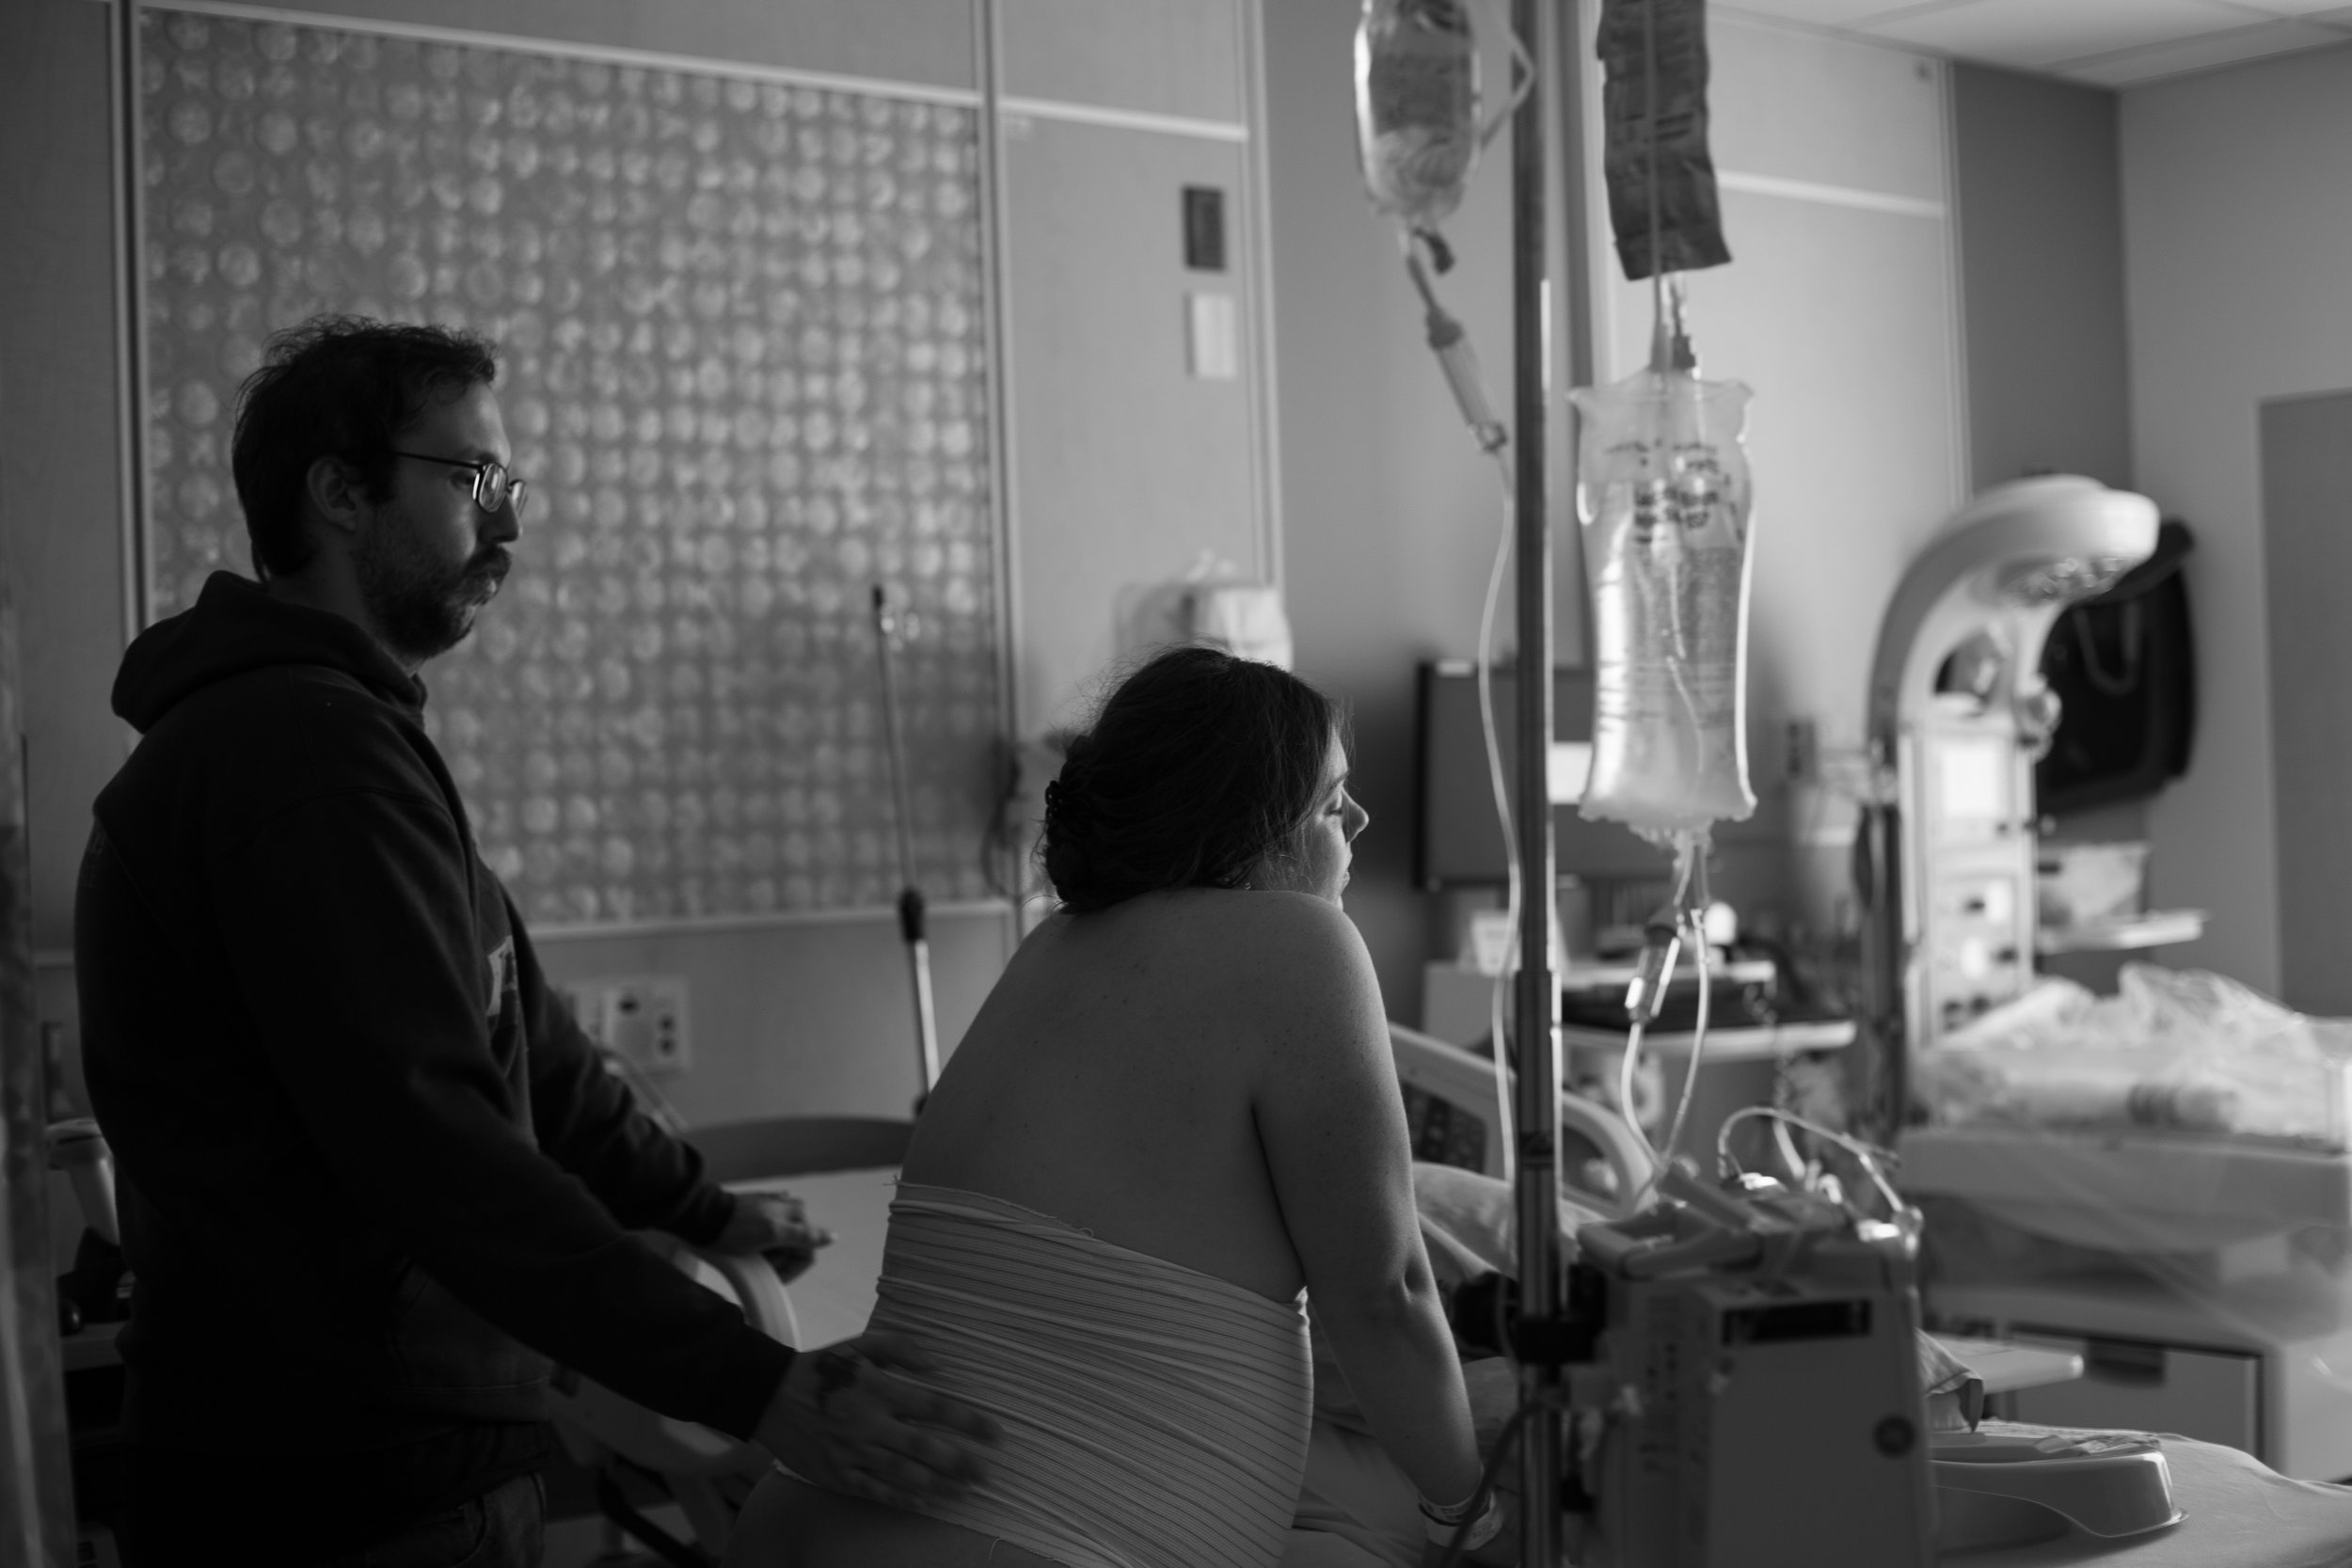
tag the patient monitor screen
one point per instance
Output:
(1456, 840)
(1972, 781)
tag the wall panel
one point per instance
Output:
(2234, 232)
(1127, 468)
(2041, 212)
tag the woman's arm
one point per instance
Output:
(1332, 1124)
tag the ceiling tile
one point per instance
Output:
(2128, 66)
(2036, 33)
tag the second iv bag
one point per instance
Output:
(1417, 132)
(1663, 492)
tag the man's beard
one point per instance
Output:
(420, 607)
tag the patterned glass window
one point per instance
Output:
(744, 370)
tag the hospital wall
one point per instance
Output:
(2238, 228)
(807, 1017)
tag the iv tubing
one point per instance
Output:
(1455, 357)
(1688, 903)
(1451, 344)
(1522, 83)
(1692, 853)
(1698, 1040)
(1872, 1158)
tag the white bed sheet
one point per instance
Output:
(2241, 1513)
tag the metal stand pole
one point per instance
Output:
(1877, 874)
(1536, 1014)
(910, 896)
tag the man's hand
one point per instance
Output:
(845, 1422)
(775, 1226)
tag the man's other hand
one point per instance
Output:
(775, 1226)
(845, 1419)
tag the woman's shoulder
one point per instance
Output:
(1271, 952)
(1197, 935)
(1225, 920)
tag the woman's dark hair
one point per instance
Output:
(338, 386)
(1197, 769)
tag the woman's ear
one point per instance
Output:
(332, 489)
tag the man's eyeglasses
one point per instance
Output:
(493, 486)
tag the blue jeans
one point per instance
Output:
(503, 1527)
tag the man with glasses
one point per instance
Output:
(373, 1177)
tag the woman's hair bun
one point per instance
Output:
(1198, 768)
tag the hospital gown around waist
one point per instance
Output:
(1152, 1416)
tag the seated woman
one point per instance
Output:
(1176, 1109)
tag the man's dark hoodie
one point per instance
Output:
(372, 1175)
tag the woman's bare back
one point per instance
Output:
(1108, 1083)
(1200, 1076)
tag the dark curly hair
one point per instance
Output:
(1198, 770)
(338, 386)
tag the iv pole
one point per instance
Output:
(1537, 992)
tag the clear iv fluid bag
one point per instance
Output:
(1663, 492)
(1417, 129)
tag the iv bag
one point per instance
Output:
(1662, 493)
(1417, 132)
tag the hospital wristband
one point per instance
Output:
(1439, 1523)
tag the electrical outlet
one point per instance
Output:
(1800, 752)
(642, 1017)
